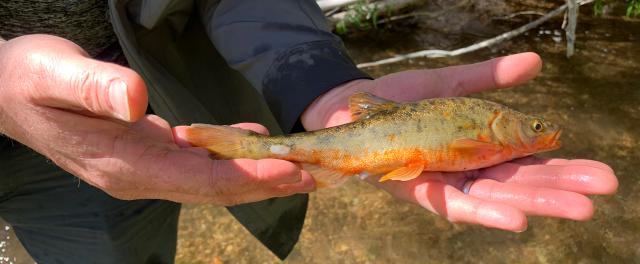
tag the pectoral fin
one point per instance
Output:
(407, 173)
(471, 145)
(325, 177)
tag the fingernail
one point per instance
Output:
(522, 230)
(308, 183)
(119, 99)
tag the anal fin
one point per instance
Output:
(325, 177)
(406, 173)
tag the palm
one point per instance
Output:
(501, 196)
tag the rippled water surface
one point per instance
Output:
(595, 95)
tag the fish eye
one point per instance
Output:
(537, 126)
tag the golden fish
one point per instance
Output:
(397, 140)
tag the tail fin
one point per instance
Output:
(223, 142)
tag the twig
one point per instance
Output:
(424, 14)
(510, 16)
(572, 11)
(331, 12)
(474, 47)
(327, 5)
(381, 6)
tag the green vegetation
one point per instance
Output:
(633, 7)
(598, 7)
(360, 16)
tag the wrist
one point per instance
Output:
(322, 111)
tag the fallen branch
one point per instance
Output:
(510, 16)
(425, 14)
(474, 47)
(327, 5)
(572, 13)
(381, 7)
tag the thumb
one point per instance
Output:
(78, 83)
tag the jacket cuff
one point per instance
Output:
(301, 74)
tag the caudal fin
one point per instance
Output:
(224, 142)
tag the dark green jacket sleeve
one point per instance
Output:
(283, 48)
(280, 50)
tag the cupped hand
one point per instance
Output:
(500, 196)
(89, 118)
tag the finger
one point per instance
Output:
(500, 72)
(180, 170)
(265, 172)
(196, 150)
(534, 200)
(458, 207)
(255, 127)
(570, 177)
(449, 202)
(180, 136)
(154, 127)
(533, 160)
(82, 84)
(232, 175)
(307, 184)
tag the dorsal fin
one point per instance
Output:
(363, 105)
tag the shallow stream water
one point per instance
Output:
(595, 95)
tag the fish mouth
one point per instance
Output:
(552, 142)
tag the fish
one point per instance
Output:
(397, 141)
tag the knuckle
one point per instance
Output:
(457, 86)
(251, 175)
(84, 84)
(218, 181)
(280, 171)
(262, 173)
(228, 201)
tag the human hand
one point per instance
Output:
(500, 196)
(89, 118)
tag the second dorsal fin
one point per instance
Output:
(363, 105)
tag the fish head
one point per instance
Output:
(526, 134)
